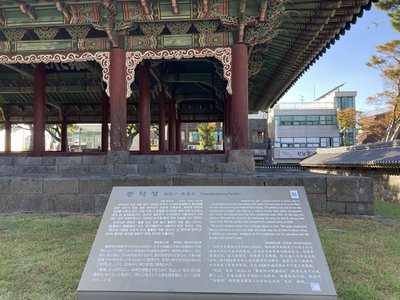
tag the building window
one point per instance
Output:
(218, 136)
(310, 142)
(344, 102)
(257, 137)
(301, 120)
(193, 136)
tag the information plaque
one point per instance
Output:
(207, 243)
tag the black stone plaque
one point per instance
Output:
(207, 243)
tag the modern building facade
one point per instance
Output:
(342, 100)
(298, 129)
(258, 137)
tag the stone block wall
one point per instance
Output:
(115, 163)
(344, 195)
(386, 185)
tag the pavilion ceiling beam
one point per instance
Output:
(20, 71)
(108, 3)
(2, 21)
(208, 90)
(242, 19)
(63, 8)
(175, 7)
(205, 6)
(51, 89)
(28, 9)
(263, 10)
(145, 7)
(155, 76)
(189, 78)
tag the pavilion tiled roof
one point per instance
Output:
(301, 34)
(376, 155)
(310, 28)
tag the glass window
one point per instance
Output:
(312, 120)
(191, 136)
(335, 142)
(287, 140)
(300, 140)
(299, 120)
(349, 102)
(257, 137)
(324, 142)
(286, 118)
(339, 102)
(313, 140)
(261, 137)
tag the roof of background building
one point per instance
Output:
(385, 155)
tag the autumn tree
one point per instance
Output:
(132, 130)
(206, 136)
(387, 61)
(392, 7)
(372, 128)
(347, 119)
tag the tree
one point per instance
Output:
(392, 7)
(372, 128)
(132, 130)
(206, 136)
(26, 127)
(347, 118)
(388, 63)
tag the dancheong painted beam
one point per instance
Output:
(189, 44)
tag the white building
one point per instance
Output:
(258, 138)
(298, 129)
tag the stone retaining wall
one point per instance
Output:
(345, 195)
(123, 163)
(386, 185)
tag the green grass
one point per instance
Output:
(387, 209)
(363, 256)
(42, 257)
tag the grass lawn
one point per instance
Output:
(387, 209)
(42, 257)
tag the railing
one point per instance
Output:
(280, 167)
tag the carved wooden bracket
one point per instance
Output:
(28, 9)
(102, 58)
(224, 55)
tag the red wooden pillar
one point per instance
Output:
(64, 137)
(227, 114)
(39, 114)
(144, 108)
(239, 105)
(7, 127)
(178, 135)
(118, 99)
(171, 125)
(105, 112)
(161, 120)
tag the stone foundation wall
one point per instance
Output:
(386, 185)
(344, 195)
(123, 163)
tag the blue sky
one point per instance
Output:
(346, 62)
